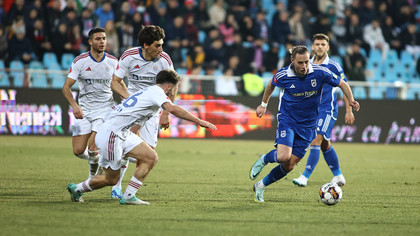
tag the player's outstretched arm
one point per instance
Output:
(184, 114)
(349, 116)
(118, 86)
(347, 92)
(261, 109)
(77, 111)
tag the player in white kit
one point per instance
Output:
(116, 142)
(141, 64)
(93, 70)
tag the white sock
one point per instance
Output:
(93, 162)
(83, 187)
(132, 188)
(84, 155)
(260, 184)
(123, 169)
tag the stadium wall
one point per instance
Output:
(26, 111)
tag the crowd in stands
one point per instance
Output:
(219, 36)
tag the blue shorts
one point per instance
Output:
(325, 124)
(287, 136)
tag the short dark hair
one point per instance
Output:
(167, 76)
(299, 49)
(320, 37)
(94, 31)
(150, 33)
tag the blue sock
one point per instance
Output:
(276, 173)
(331, 158)
(312, 160)
(271, 157)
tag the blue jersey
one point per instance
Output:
(300, 97)
(329, 95)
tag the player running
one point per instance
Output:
(93, 70)
(328, 111)
(300, 93)
(117, 142)
(141, 64)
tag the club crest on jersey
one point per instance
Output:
(313, 82)
(155, 68)
(107, 69)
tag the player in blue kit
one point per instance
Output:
(300, 92)
(328, 111)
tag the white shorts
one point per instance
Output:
(89, 123)
(112, 148)
(150, 129)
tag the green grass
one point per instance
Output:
(201, 187)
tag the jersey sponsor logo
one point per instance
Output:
(137, 67)
(313, 82)
(293, 86)
(88, 69)
(306, 93)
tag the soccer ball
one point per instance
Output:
(330, 193)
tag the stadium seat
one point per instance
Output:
(411, 93)
(57, 80)
(375, 54)
(4, 79)
(376, 92)
(17, 73)
(276, 92)
(337, 59)
(66, 60)
(1, 65)
(37, 75)
(49, 58)
(359, 92)
(392, 55)
(267, 75)
(201, 36)
(181, 71)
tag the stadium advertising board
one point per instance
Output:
(46, 112)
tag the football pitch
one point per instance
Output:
(201, 187)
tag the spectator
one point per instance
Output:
(39, 38)
(405, 16)
(104, 13)
(138, 22)
(195, 56)
(87, 23)
(3, 44)
(20, 47)
(53, 17)
(125, 13)
(217, 13)
(262, 26)
(280, 29)
(208, 86)
(392, 34)
(367, 12)
(357, 72)
(225, 85)
(233, 65)
(227, 28)
(296, 28)
(201, 16)
(157, 12)
(3, 14)
(188, 8)
(17, 9)
(372, 34)
(410, 40)
(177, 31)
(353, 57)
(215, 54)
(339, 30)
(112, 39)
(191, 29)
(271, 58)
(61, 43)
(355, 32)
(257, 63)
(75, 37)
(173, 48)
(173, 9)
(71, 19)
(126, 36)
(248, 29)
(245, 55)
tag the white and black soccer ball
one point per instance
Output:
(330, 193)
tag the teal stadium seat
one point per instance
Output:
(38, 76)
(56, 75)
(359, 92)
(17, 73)
(411, 93)
(49, 58)
(4, 77)
(66, 60)
(376, 92)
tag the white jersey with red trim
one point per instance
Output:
(94, 80)
(141, 73)
(136, 109)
